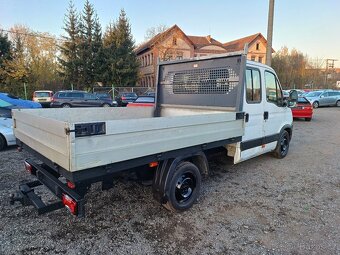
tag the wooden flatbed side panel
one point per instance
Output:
(128, 139)
(46, 136)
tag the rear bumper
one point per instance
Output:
(26, 195)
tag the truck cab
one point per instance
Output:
(267, 115)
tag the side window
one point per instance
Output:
(273, 91)
(89, 96)
(324, 94)
(253, 86)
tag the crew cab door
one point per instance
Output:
(253, 108)
(276, 114)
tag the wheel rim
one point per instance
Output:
(185, 186)
(338, 104)
(106, 105)
(66, 106)
(316, 104)
(284, 145)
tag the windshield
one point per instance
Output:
(42, 94)
(129, 94)
(313, 94)
(145, 100)
(4, 103)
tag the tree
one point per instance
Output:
(121, 59)
(5, 54)
(70, 60)
(153, 31)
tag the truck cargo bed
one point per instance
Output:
(128, 132)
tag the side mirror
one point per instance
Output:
(293, 96)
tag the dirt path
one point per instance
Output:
(262, 206)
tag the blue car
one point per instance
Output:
(18, 101)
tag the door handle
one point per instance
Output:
(247, 117)
(265, 115)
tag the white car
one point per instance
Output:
(7, 137)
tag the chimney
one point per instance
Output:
(209, 38)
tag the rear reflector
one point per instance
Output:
(29, 168)
(71, 185)
(70, 204)
(153, 164)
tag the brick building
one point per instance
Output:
(175, 44)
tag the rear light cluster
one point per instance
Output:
(29, 168)
(70, 204)
(123, 98)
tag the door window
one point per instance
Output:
(273, 91)
(253, 86)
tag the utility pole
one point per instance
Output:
(270, 33)
(329, 64)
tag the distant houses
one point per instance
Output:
(175, 44)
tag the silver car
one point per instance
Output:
(7, 137)
(324, 98)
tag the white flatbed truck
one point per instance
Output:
(223, 101)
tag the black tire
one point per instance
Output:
(184, 187)
(65, 106)
(3, 143)
(106, 105)
(308, 119)
(282, 146)
(315, 104)
(338, 103)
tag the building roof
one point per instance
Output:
(238, 45)
(201, 41)
(153, 40)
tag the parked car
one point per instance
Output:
(6, 109)
(44, 97)
(18, 101)
(106, 96)
(303, 109)
(324, 98)
(7, 137)
(126, 97)
(150, 93)
(75, 98)
(144, 101)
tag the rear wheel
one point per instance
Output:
(316, 104)
(338, 103)
(106, 105)
(2, 142)
(184, 187)
(308, 119)
(65, 106)
(282, 147)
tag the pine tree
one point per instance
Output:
(70, 60)
(126, 70)
(121, 60)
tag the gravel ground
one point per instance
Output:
(261, 206)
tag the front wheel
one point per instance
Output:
(2, 143)
(282, 146)
(184, 187)
(106, 105)
(316, 104)
(338, 103)
(66, 106)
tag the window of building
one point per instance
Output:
(273, 91)
(151, 59)
(167, 57)
(174, 41)
(260, 59)
(253, 86)
(179, 55)
(252, 58)
(258, 46)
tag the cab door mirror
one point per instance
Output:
(293, 96)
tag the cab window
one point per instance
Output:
(253, 86)
(273, 91)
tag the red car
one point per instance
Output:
(303, 109)
(144, 101)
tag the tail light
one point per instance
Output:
(123, 98)
(70, 204)
(29, 168)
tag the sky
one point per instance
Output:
(310, 26)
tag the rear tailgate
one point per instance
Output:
(44, 135)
